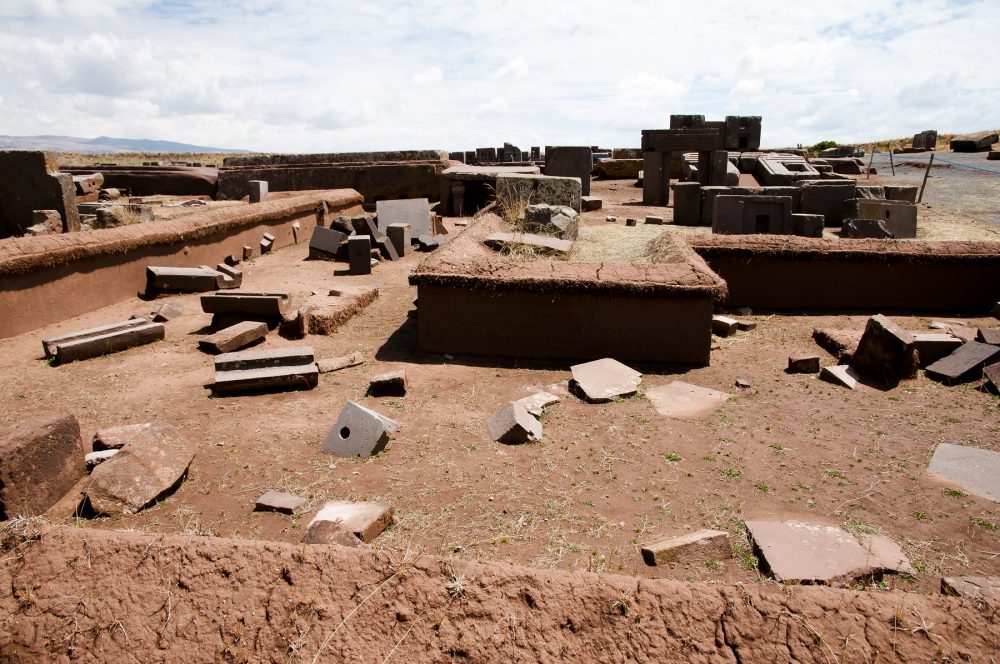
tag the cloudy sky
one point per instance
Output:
(315, 76)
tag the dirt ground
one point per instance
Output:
(605, 478)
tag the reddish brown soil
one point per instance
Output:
(605, 478)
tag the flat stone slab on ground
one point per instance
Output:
(538, 402)
(247, 303)
(234, 337)
(328, 364)
(366, 520)
(389, 384)
(329, 313)
(590, 203)
(964, 364)
(359, 431)
(932, 346)
(684, 401)
(963, 332)
(989, 335)
(841, 374)
(981, 587)
(699, 546)
(279, 501)
(104, 340)
(149, 466)
(512, 424)
(801, 364)
(41, 459)
(167, 311)
(545, 244)
(798, 552)
(974, 469)
(724, 326)
(182, 279)
(292, 367)
(115, 438)
(604, 380)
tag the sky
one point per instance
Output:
(332, 76)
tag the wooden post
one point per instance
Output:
(870, 158)
(923, 184)
(892, 163)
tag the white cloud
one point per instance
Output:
(494, 106)
(517, 68)
(429, 76)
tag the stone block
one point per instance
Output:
(687, 203)
(977, 142)
(807, 225)
(899, 217)
(149, 466)
(964, 364)
(365, 520)
(330, 532)
(292, 367)
(604, 380)
(400, 237)
(572, 162)
(700, 546)
(828, 198)
(590, 203)
(266, 243)
(103, 340)
(115, 438)
(974, 469)
(279, 501)
(389, 384)
(558, 220)
(684, 401)
(992, 374)
(842, 375)
(29, 181)
(744, 215)
(413, 211)
(899, 192)
(167, 311)
(931, 347)
(708, 195)
(886, 354)
(359, 431)
(656, 221)
(183, 279)
(45, 222)
(795, 193)
(234, 337)
(538, 402)
(974, 587)
(865, 229)
(618, 169)
(540, 189)
(325, 243)
(330, 364)
(724, 326)
(41, 459)
(989, 335)
(511, 424)
(258, 190)
(359, 252)
(631, 221)
(245, 303)
(542, 244)
(800, 364)
(88, 184)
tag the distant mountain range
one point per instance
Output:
(100, 145)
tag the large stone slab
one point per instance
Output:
(414, 211)
(359, 431)
(234, 337)
(366, 520)
(684, 401)
(886, 353)
(148, 467)
(40, 461)
(798, 552)
(103, 340)
(699, 546)
(183, 279)
(932, 346)
(541, 189)
(604, 380)
(247, 303)
(325, 242)
(573, 162)
(292, 367)
(974, 469)
(530, 242)
(975, 587)
(964, 364)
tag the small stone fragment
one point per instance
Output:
(604, 380)
(699, 546)
(328, 364)
(538, 402)
(975, 587)
(278, 501)
(743, 384)
(798, 364)
(94, 459)
(365, 520)
(724, 326)
(842, 374)
(390, 384)
(513, 425)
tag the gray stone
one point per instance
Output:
(684, 401)
(327, 365)
(992, 373)
(740, 215)
(573, 162)
(687, 203)
(931, 347)
(167, 311)
(359, 254)
(292, 367)
(631, 221)
(590, 203)
(428, 242)
(359, 431)
(798, 552)
(807, 225)
(413, 211)
(865, 229)
(989, 335)
(266, 243)
(800, 364)
(325, 243)
(279, 501)
(103, 340)
(558, 220)
(511, 424)
(400, 237)
(29, 181)
(115, 438)
(389, 384)
(538, 402)
(974, 469)
(897, 192)
(963, 364)
(543, 244)
(94, 459)
(149, 466)
(700, 546)
(657, 221)
(841, 374)
(540, 189)
(898, 217)
(886, 353)
(234, 337)
(974, 587)
(183, 279)
(245, 303)
(827, 198)
(258, 190)
(604, 380)
(49, 345)
(365, 520)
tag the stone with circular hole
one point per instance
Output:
(359, 431)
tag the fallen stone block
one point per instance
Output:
(964, 364)
(529, 242)
(327, 365)
(745, 325)
(629, 221)
(604, 380)
(974, 469)
(590, 203)
(802, 364)
(973, 587)
(329, 532)
(359, 431)
(931, 347)
(389, 384)
(295, 324)
(797, 552)
(231, 277)
(247, 252)
(556, 220)
(427, 242)
(886, 353)
(88, 184)
(279, 501)
(103, 340)
(699, 546)
(724, 326)
(328, 314)
(684, 401)
(167, 311)
(245, 303)
(992, 374)
(287, 368)
(865, 229)
(511, 424)
(115, 438)
(150, 465)
(325, 243)
(234, 337)
(989, 335)
(841, 374)
(656, 221)
(839, 343)
(963, 333)
(364, 520)
(807, 225)
(94, 459)
(537, 402)
(183, 279)
(41, 459)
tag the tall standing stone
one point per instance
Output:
(887, 353)
(573, 162)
